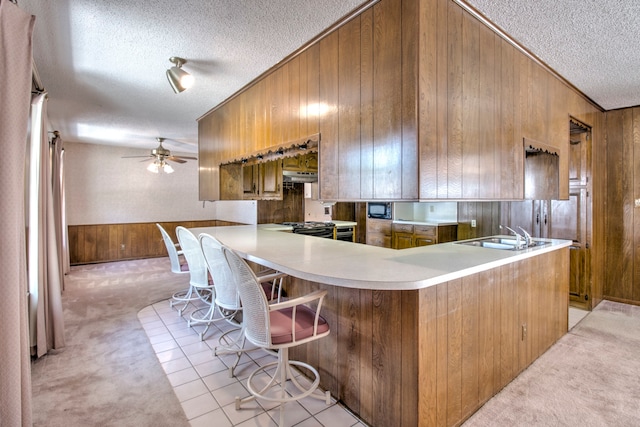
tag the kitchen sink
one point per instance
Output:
(503, 243)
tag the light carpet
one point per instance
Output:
(590, 377)
(108, 375)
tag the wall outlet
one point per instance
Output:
(473, 223)
(122, 247)
(432, 208)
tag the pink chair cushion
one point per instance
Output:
(184, 267)
(267, 287)
(281, 324)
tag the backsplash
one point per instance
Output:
(434, 211)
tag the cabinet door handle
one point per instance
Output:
(537, 218)
(545, 219)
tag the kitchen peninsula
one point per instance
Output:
(422, 336)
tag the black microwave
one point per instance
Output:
(380, 210)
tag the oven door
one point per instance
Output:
(319, 231)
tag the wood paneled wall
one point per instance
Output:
(486, 214)
(434, 356)
(622, 257)
(114, 242)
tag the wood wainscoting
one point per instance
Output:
(115, 242)
(432, 357)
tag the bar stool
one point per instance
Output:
(184, 296)
(174, 252)
(201, 287)
(227, 299)
(278, 327)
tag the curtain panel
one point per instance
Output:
(44, 274)
(16, 30)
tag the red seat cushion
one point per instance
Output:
(267, 287)
(281, 324)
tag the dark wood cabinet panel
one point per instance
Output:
(271, 180)
(477, 102)
(387, 100)
(348, 159)
(378, 232)
(232, 182)
(250, 181)
(329, 137)
(405, 236)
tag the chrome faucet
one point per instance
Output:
(527, 236)
(519, 238)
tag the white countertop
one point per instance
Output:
(355, 265)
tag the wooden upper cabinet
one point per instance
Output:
(271, 180)
(251, 181)
(470, 144)
(479, 97)
(302, 163)
(368, 146)
(412, 100)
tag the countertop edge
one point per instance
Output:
(260, 244)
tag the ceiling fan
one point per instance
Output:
(161, 157)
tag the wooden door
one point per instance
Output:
(250, 183)
(571, 219)
(402, 240)
(568, 221)
(271, 180)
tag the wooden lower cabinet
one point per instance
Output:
(379, 232)
(434, 356)
(410, 236)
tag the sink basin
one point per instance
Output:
(503, 243)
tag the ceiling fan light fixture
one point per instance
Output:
(160, 166)
(167, 168)
(153, 167)
(179, 79)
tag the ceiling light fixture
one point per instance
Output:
(179, 79)
(160, 166)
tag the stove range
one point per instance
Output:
(313, 228)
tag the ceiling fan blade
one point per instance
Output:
(133, 157)
(185, 157)
(176, 159)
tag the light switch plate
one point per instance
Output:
(637, 203)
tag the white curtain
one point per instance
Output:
(44, 273)
(59, 210)
(16, 29)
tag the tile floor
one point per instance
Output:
(202, 384)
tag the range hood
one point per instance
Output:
(294, 176)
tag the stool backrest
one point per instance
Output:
(255, 316)
(227, 295)
(171, 250)
(193, 254)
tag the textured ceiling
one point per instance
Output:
(594, 44)
(103, 62)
